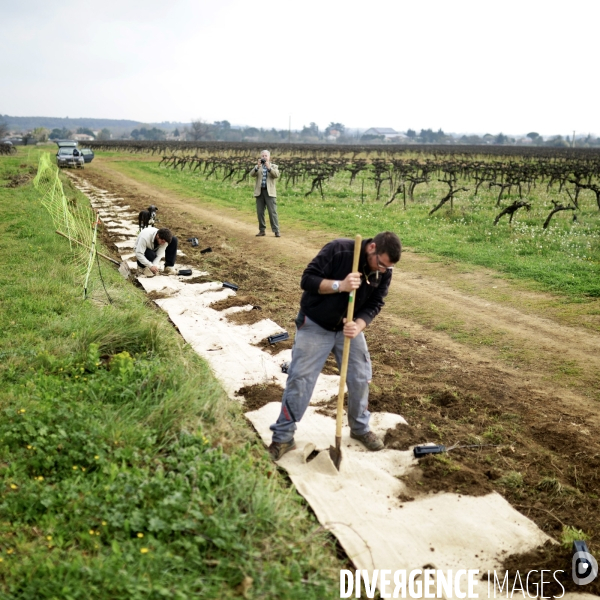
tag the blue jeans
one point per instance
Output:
(312, 346)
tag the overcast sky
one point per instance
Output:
(464, 66)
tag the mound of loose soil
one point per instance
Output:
(18, 180)
(256, 396)
(552, 558)
(237, 300)
(403, 437)
(277, 347)
(441, 473)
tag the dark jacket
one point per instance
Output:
(334, 261)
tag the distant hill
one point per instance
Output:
(116, 126)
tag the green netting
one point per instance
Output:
(73, 219)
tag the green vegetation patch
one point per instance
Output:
(126, 471)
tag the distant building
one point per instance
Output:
(387, 132)
(82, 137)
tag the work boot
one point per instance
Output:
(169, 270)
(260, 234)
(278, 449)
(278, 234)
(147, 272)
(369, 440)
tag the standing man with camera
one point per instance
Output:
(265, 193)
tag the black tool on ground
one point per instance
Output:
(421, 451)
(280, 337)
(584, 569)
(209, 249)
(285, 366)
(580, 546)
(193, 241)
(231, 286)
(184, 272)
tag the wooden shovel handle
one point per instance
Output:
(112, 260)
(346, 351)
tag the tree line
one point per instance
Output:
(200, 130)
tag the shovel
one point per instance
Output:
(336, 453)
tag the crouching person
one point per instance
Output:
(151, 245)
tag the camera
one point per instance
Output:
(262, 161)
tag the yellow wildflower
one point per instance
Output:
(144, 550)
(140, 535)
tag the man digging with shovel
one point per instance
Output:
(322, 327)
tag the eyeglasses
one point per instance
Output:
(381, 267)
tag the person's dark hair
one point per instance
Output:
(389, 243)
(167, 236)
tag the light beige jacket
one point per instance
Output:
(272, 175)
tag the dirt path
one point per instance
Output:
(464, 355)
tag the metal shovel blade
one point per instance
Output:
(124, 270)
(336, 453)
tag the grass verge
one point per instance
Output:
(126, 471)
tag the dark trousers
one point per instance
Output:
(265, 201)
(170, 254)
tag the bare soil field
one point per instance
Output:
(465, 356)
